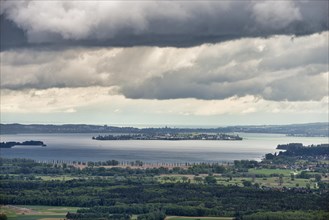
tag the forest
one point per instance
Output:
(270, 189)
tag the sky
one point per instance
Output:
(179, 63)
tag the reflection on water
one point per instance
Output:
(80, 147)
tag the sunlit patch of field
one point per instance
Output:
(268, 172)
(60, 177)
(37, 217)
(36, 212)
(272, 182)
(197, 218)
(268, 181)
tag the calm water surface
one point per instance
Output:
(80, 147)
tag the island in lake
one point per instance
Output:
(168, 136)
(10, 144)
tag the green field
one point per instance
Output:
(262, 181)
(268, 181)
(197, 218)
(53, 209)
(21, 212)
(287, 182)
(47, 178)
(36, 212)
(38, 217)
(268, 172)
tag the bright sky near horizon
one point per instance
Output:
(164, 62)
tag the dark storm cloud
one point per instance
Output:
(154, 23)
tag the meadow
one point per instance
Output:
(31, 212)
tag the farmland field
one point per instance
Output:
(196, 218)
(270, 171)
(36, 212)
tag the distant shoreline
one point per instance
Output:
(298, 130)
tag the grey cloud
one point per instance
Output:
(283, 70)
(291, 60)
(296, 58)
(173, 86)
(154, 23)
(276, 68)
(297, 88)
(276, 14)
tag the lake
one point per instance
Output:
(80, 147)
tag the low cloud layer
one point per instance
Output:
(72, 100)
(278, 68)
(154, 23)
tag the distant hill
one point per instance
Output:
(310, 129)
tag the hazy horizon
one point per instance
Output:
(164, 125)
